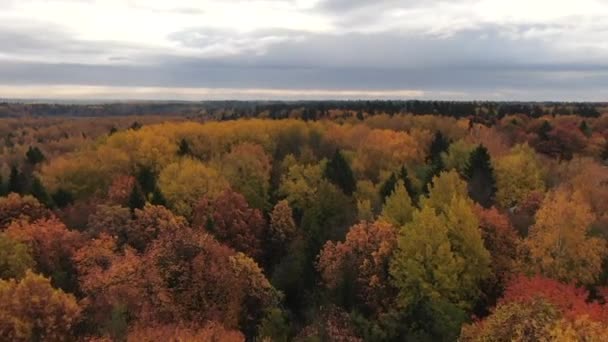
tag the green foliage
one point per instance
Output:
(62, 198)
(480, 175)
(424, 266)
(16, 181)
(275, 326)
(457, 156)
(444, 188)
(338, 172)
(389, 185)
(15, 258)
(38, 190)
(136, 198)
(34, 155)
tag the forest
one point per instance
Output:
(307, 221)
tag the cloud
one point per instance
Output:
(456, 49)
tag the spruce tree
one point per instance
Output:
(62, 198)
(34, 155)
(3, 190)
(16, 182)
(339, 173)
(146, 179)
(585, 129)
(137, 200)
(387, 188)
(480, 176)
(39, 192)
(439, 145)
(184, 148)
(389, 185)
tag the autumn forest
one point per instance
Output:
(304, 221)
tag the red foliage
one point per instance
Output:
(571, 301)
(120, 190)
(230, 219)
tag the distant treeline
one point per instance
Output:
(308, 110)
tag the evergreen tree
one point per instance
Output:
(480, 175)
(338, 172)
(387, 188)
(39, 192)
(158, 198)
(184, 148)
(389, 185)
(439, 145)
(585, 129)
(34, 155)
(146, 179)
(544, 130)
(409, 187)
(16, 181)
(137, 200)
(62, 198)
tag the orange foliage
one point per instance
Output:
(210, 332)
(32, 310)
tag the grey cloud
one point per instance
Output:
(482, 62)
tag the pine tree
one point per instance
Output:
(480, 175)
(389, 185)
(338, 172)
(585, 129)
(39, 192)
(137, 199)
(62, 198)
(544, 130)
(398, 209)
(158, 198)
(439, 145)
(146, 179)
(34, 155)
(411, 191)
(16, 182)
(184, 148)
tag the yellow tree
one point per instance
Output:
(445, 187)
(185, 182)
(398, 208)
(518, 174)
(247, 168)
(559, 245)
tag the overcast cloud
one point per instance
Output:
(308, 49)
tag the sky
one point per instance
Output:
(304, 49)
